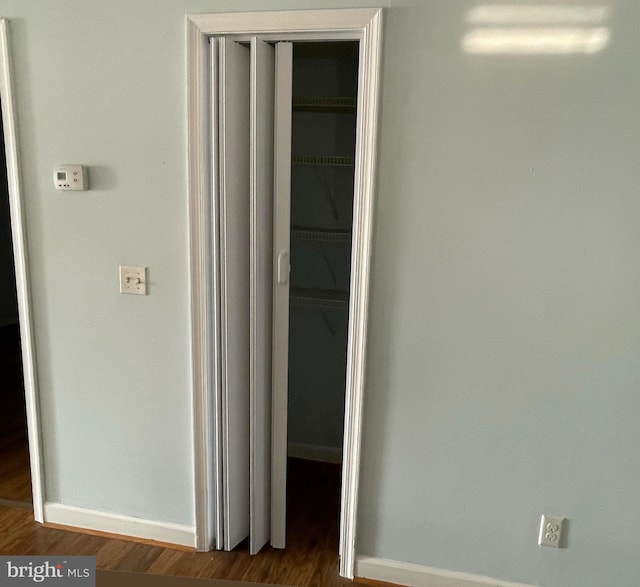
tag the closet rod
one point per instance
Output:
(324, 235)
(335, 104)
(330, 161)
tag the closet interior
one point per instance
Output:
(325, 85)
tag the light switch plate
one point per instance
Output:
(133, 280)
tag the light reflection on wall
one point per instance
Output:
(537, 29)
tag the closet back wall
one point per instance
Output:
(321, 197)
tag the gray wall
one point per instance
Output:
(505, 336)
(504, 357)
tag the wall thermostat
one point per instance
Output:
(70, 177)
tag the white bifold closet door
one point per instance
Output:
(243, 106)
(281, 269)
(261, 287)
(234, 204)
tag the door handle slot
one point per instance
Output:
(283, 268)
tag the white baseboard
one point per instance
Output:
(66, 515)
(313, 452)
(413, 575)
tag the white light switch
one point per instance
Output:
(133, 280)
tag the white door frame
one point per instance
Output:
(9, 120)
(364, 25)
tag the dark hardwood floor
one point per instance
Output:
(15, 483)
(310, 558)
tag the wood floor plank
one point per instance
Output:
(164, 563)
(138, 558)
(15, 478)
(111, 553)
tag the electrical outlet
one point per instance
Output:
(550, 531)
(133, 280)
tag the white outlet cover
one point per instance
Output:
(133, 280)
(550, 533)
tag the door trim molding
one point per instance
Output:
(20, 257)
(364, 25)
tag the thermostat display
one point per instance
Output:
(70, 177)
